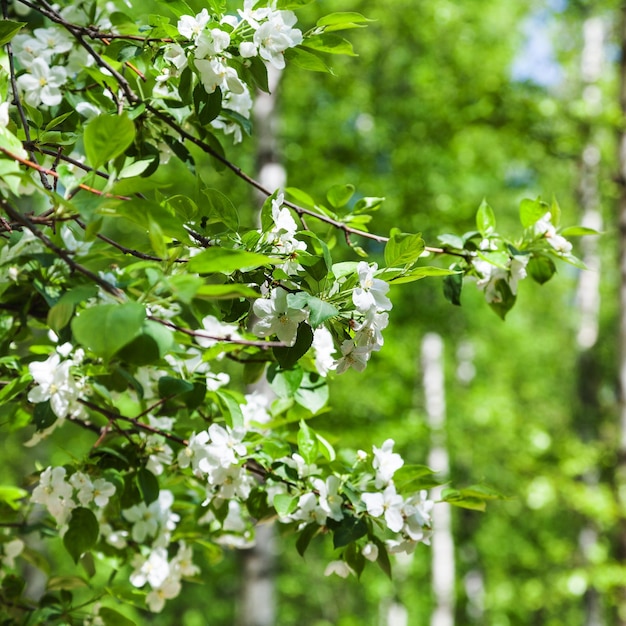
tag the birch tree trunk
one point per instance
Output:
(621, 469)
(588, 292)
(442, 542)
(258, 594)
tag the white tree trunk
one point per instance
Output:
(588, 292)
(442, 543)
(258, 594)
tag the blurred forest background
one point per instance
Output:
(448, 102)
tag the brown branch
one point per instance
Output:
(79, 32)
(55, 175)
(264, 345)
(63, 254)
(111, 415)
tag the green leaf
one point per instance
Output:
(339, 195)
(312, 394)
(82, 532)
(106, 328)
(331, 44)
(8, 30)
(221, 209)
(530, 211)
(306, 60)
(43, 415)
(150, 346)
(207, 107)
(415, 477)
(285, 383)
(504, 299)
(106, 137)
(170, 386)
(301, 197)
(341, 21)
(285, 504)
(11, 495)
(403, 248)
(304, 539)
(350, 529)
(541, 269)
(56, 583)
(417, 273)
(383, 557)
(148, 485)
(230, 405)
(485, 219)
(308, 446)
(327, 451)
(288, 357)
(474, 497)
(319, 310)
(59, 316)
(111, 617)
(226, 261)
(452, 287)
(578, 231)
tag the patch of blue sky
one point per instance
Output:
(536, 61)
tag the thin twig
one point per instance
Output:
(40, 168)
(264, 345)
(60, 252)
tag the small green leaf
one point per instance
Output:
(305, 537)
(415, 477)
(308, 446)
(331, 44)
(452, 287)
(221, 209)
(403, 249)
(8, 30)
(578, 231)
(106, 137)
(82, 532)
(111, 617)
(485, 219)
(148, 485)
(285, 504)
(11, 496)
(288, 357)
(106, 328)
(306, 60)
(339, 195)
(312, 394)
(230, 405)
(541, 269)
(342, 20)
(170, 386)
(417, 273)
(350, 529)
(530, 211)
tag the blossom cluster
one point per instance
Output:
(215, 46)
(61, 494)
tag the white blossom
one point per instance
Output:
(41, 85)
(324, 348)
(55, 493)
(211, 43)
(213, 330)
(340, 568)
(192, 27)
(352, 356)
(387, 504)
(275, 35)
(371, 294)
(545, 227)
(370, 551)
(386, 462)
(56, 383)
(276, 317)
